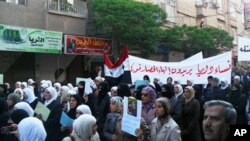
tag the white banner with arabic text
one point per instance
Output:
(243, 49)
(217, 66)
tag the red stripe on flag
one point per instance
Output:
(122, 58)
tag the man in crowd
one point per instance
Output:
(218, 117)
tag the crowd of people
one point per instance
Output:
(170, 111)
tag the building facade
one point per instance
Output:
(52, 15)
(228, 15)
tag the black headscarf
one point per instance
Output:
(123, 90)
(18, 115)
(138, 91)
(81, 90)
(170, 91)
(3, 106)
(72, 111)
(103, 89)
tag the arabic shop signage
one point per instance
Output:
(86, 45)
(29, 40)
(217, 66)
(243, 49)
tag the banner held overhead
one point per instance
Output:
(218, 66)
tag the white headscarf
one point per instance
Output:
(191, 80)
(18, 84)
(31, 129)
(29, 94)
(53, 94)
(42, 82)
(30, 81)
(49, 83)
(70, 86)
(180, 88)
(84, 109)
(57, 84)
(225, 82)
(24, 84)
(65, 89)
(19, 92)
(72, 92)
(25, 106)
(82, 126)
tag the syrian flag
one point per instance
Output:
(118, 72)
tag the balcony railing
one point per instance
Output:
(66, 9)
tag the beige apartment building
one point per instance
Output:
(223, 14)
(48, 15)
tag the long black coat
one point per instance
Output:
(190, 121)
(52, 125)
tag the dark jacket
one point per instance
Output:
(177, 106)
(109, 126)
(190, 121)
(52, 125)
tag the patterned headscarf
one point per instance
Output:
(118, 101)
(152, 94)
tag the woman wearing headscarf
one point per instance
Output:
(239, 101)
(75, 101)
(15, 117)
(65, 98)
(30, 97)
(12, 100)
(148, 104)
(100, 107)
(115, 110)
(31, 129)
(113, 91)
(52, 125)
(167, 91)
(163, 127)
(24, 85)
(25, 106)
(83, 109)
(18, 84)
(142, 133)
(225, 90)
(57, 86)
(123, 90)
(63, 94)
(190, 129)
(81, 88)
(84, 127)
(177, 103)
(19, 91)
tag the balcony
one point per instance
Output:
(200, 12)
(67, 9)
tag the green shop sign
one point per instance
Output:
(29, 40)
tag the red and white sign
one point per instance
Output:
(86, 45)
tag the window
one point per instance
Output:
(21, 2)
(232, 9)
